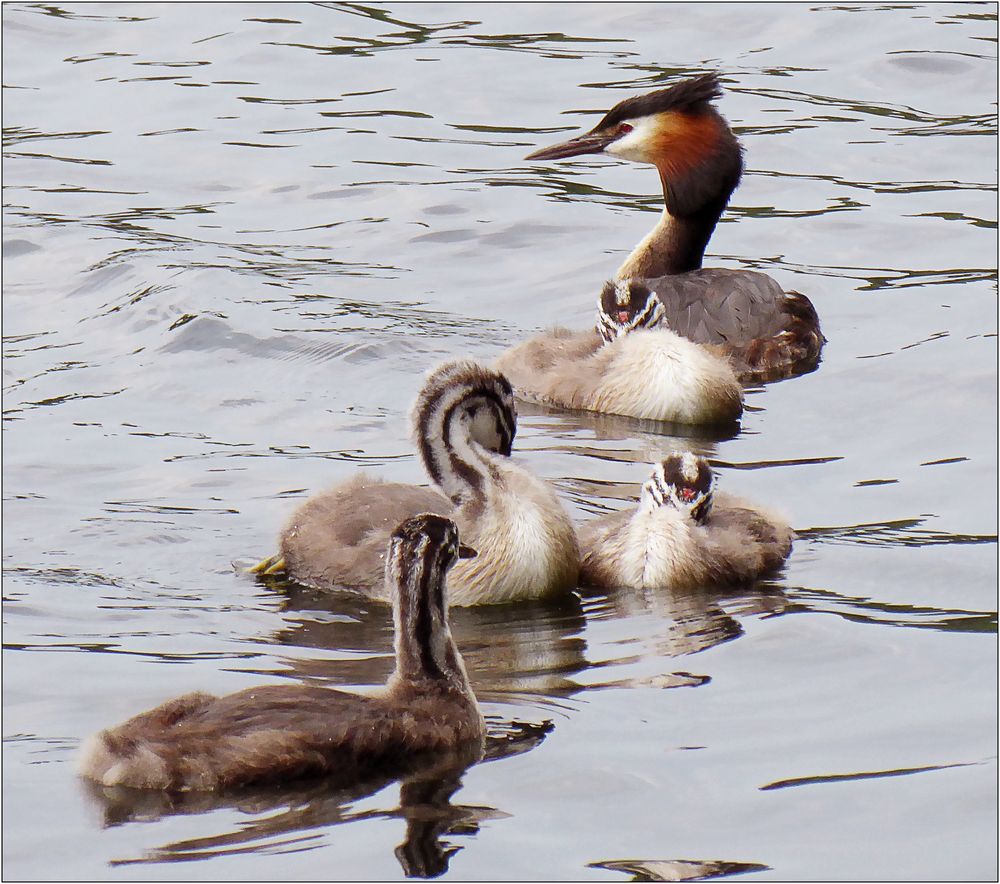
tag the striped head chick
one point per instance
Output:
(683, 482)
(626, 305)
(464, 423)
(465, 414)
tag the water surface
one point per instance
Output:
(236, 236)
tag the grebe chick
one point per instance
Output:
(767, 332)
(464, 422)
(682, 534)
(631, 364)
(284, 732)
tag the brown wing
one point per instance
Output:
(530, 366)
(339, 537)
(763, 532)
(558, 367)
(767, 332)
(275, 732)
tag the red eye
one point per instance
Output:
(624, 129)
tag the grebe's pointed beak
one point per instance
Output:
(592, 142)
(466, 552)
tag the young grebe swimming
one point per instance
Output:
(682, 534)
(629, 364)
(284, 732)
(464, 423)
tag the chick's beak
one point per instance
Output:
(592, 142)
(466, 552)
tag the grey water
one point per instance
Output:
(235, 236)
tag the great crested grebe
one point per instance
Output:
(284, 732)
(682, 534)
(767, 332)
(464, 422)
(629, 364)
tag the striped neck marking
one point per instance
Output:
(463, 419)
(421, 550)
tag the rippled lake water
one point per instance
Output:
(236, 236)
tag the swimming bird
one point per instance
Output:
(283, 732)
(682, 534)
(629, 364)
(464, 422)
(767, 332)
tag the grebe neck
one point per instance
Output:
(425, 650)
(675, 245)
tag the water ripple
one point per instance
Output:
(898, 532)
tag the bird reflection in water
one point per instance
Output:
(529, 655)
(682, 622)
(615, 427)
(678, 869)
(526, 653)
(286, 818)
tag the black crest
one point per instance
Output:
(683, 96)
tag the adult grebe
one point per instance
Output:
(464, 423)
(767, 332)
(284, 732)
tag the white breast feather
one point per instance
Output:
(526, 546)
(659, 375)
(655, 547)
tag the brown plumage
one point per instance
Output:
(767, 333)
(280, 732)
(338, 537)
